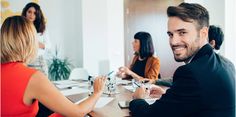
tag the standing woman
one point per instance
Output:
(144, 65)
(33, 13)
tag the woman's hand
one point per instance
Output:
(99, 84)
(41, 45)
(123, 72)
(140, 93)
(146, 80)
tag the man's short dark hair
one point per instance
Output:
(146, 44)
(215, 33)
(190, 12)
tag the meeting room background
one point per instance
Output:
(97, 34)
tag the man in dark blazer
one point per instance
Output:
(216, 37)
(205, 85)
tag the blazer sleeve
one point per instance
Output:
(180, 100)
(152, 69)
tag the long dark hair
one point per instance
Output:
(39, 22)
(146, 44)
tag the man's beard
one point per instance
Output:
(190, 53)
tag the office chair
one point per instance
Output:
(79, 74)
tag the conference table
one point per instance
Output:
(111, 109)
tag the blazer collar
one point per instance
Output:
(205, 50)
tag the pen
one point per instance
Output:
(109, 73)
(139, 85)
(136, 84)
(145, 81)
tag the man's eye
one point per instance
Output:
(170, 35)
(182, 33)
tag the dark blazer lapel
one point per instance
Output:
(205, 50)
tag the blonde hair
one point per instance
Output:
(18, 40)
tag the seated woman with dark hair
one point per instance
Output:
(144, 65)
(23, 87)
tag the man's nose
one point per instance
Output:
(175, 39)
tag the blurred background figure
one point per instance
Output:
(216, 37)
(33, 13)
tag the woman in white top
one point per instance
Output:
(33, 12)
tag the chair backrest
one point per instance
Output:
(79, 74)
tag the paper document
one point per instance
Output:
(151, 100)
(130, 88)
(123, 82)
(69, 83)
(62, 86)
(102, 101)
(74, 91)
(64, 82)
(83, 84)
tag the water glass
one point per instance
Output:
(111, 85)
(90, 84)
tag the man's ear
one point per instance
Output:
(204, 32)
(212, 43)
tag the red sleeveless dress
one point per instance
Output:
(14, 80)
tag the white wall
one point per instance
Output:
(230, 30)
(94, 20)
(115, 33)
(65, 28)
(102, 35)
(52, 12)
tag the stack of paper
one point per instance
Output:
(69, 84)
(64, 82)
(123, 82)
(102, 101)
(130, 88)
(74, 91)
(151, 100)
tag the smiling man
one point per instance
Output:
(205, 85)
(185, 40)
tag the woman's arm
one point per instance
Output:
(153, 69)
(135, 76)
(44, 42)
(40, 88)
(127, 71)
(41, 45)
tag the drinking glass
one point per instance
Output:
(111, 85)
(90, 84)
